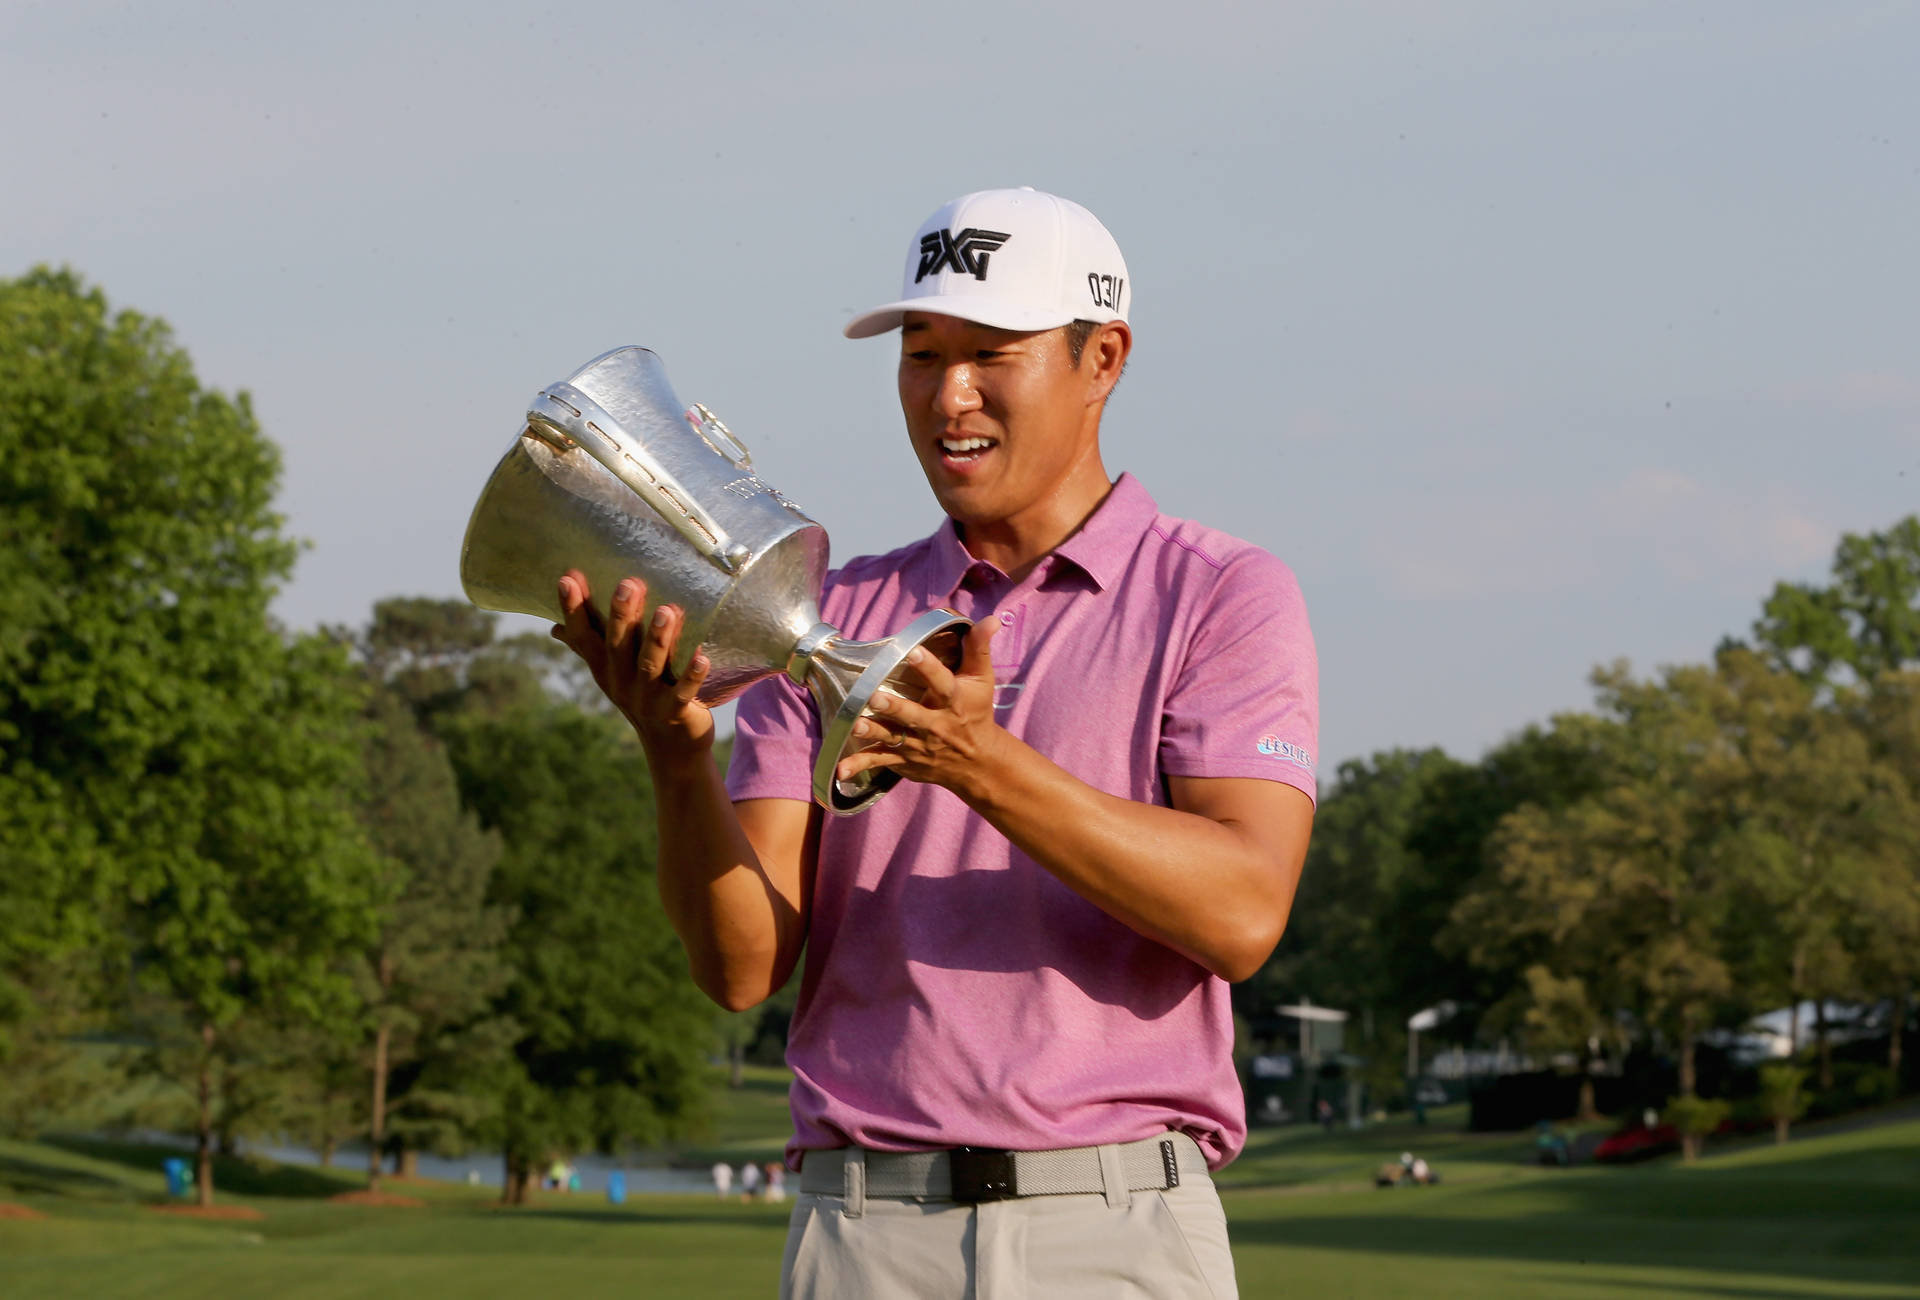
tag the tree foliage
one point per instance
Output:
(175, 774)
(1709, 842)
(1863, 623)
(434, 964)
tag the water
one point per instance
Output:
(484, 1168)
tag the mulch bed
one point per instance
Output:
(378, 1198)
(209, 1211)
(8, 1210)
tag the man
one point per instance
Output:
(1012, 1048)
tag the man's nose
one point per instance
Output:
(956, 394)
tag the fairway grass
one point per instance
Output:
(1822, 1216)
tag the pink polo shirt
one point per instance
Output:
(957, 994)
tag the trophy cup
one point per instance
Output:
(613, 476)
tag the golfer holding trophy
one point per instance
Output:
(1012, 1051)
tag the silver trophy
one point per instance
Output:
(613, 475)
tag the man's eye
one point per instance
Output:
(987, 354)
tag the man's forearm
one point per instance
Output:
(1217, 892)
(742, 928)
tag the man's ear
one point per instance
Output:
(1107, 352)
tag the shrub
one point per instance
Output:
(1695, 1117)
(1784, 1096)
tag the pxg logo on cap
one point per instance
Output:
(967, 253)
(1012, 259)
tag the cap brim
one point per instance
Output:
(980, 310)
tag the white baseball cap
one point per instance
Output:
(1014, 259)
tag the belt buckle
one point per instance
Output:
(982, 1174)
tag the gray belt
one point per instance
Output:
(974, 1174)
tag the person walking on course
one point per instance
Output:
(1012, 1049)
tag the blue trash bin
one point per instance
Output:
(617, 1187)
(179, 1176)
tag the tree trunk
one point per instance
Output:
(1897, 1032)
(1689, 1147)
(1780, 1125)
(407, 1163)
(328, 1143)
(227, 1141)
(1588, 1111)
(1793, 1000)
(1686, 1063)
(1826, 1044)
(377, 1120)
(203, 1150)
(517, 1187)
(382, 1041)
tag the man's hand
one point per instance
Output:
(630, 664)
(949, 737)
(1212, 876)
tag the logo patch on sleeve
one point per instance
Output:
(1286, 751)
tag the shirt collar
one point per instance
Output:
(1100, 547)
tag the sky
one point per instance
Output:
(1530, 336)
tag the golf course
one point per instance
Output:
(1833, 1213)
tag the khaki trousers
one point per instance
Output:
(1169, 1245)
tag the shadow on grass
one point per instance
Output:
(237, 1175)
(645, 1218)
(37, 1178)
(1731, 1290)
(1844, 1215)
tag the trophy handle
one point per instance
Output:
(563, 411)
(714, 433)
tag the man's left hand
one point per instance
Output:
(949, 737)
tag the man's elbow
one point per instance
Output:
(732, 999)
(733, 990)
(1247, 946)
(1247, 941)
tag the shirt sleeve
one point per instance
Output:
(1247, 700)
(774, 740)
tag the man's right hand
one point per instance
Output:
(630, 665)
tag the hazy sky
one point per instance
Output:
(1529, 335)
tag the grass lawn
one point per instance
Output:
(1835, 1215)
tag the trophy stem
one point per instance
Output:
(844, 676)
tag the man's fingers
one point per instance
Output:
(576, 602)
(661, 633)
(976, 652)
(580, 630)
(866, 759)
(895, 713)
(687, 689)
(629, 599)
(936, 675)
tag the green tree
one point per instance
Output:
(1337, 945)
(258, 880)
(1865, 622)
(1453, 841)
(174, 773)
(1883, 914)
(613, 1035)
(1697, 1118)
(1784, 1095)
(1816, 814)
(1622, 896)
(610, 1035)
(135, 529)
(435, 963)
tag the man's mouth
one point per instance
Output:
(965, 451)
